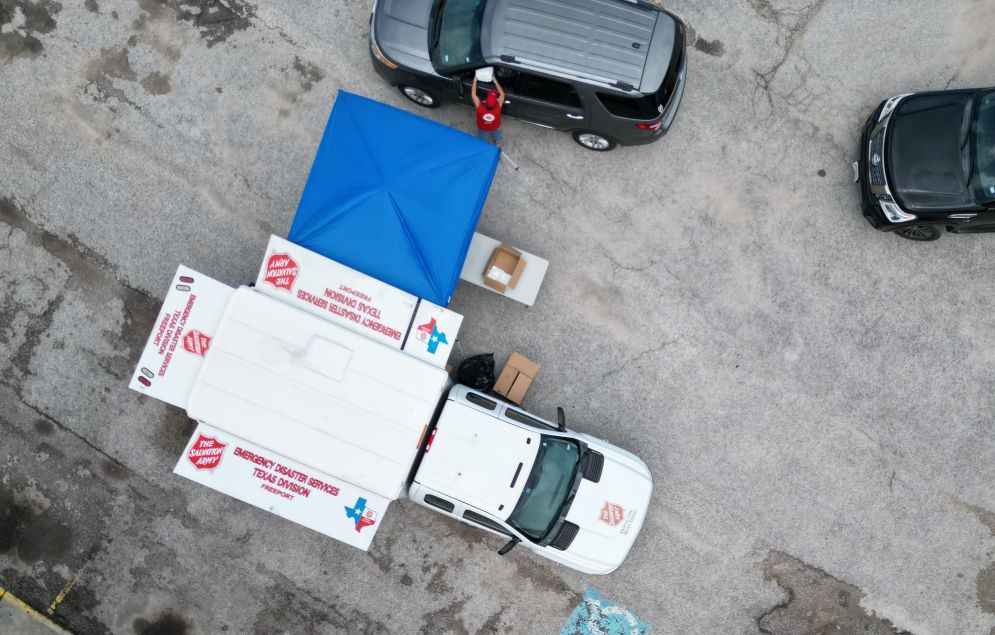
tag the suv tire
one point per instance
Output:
(594, 141)
(921, 233)
(420, 96)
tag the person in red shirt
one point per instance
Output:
(489, 112)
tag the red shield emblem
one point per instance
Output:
(206, 452)
(281, 271)
(368, 518)
(612, 513)
(196, 342)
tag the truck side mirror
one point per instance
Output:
(508, 547)
(561, 420)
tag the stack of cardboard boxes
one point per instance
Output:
(516, 377)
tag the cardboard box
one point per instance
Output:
(516, 377)
(504, 268)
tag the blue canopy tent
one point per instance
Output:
(395, 196)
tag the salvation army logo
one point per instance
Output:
(612, 513)
(196, 342)
(430, 334)
(281, 271)
(361, 514)
(206, 452)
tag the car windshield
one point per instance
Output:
(547, 487)
(984, 142)
(456, 33)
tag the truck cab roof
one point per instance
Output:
(478, 458)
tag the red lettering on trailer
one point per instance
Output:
(358, 294)
(253, 458)
(339, 298)
(321, 303)
(323, 487)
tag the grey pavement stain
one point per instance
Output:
(91, 271)
(714, 47)
(984, 516)
(20, 22)
(985, 582)
(100, 75)
(44, 428)
(310, 73)
(91, 6)
(445, 620)
(816, 603)
(215, 20)
(493, 623)
(286, 603)
(156, 83)
(167, 623)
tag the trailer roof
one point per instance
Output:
(316, 393)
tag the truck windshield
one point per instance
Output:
(547, 487)
(984, 167)
(456, 33)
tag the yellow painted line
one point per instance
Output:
(66, 589)
(9, 598)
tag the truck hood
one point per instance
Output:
(609, 513)
(400, 29)
(924, 150)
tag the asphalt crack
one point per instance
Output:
(649, 351)
(794, 32)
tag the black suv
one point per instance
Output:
(927, 162)
(609, 71)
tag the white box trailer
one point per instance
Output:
(297, 414)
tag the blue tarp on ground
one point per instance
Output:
(395, 196)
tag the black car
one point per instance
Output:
(608, 71)
(927, 162)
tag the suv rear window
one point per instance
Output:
(644, 107)
(650, 106)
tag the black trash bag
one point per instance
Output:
(477, 372)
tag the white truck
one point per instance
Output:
(321, 395)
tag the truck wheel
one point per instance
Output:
(922, 233)
(421, 97)
(594, 140)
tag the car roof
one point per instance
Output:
(474, 457)
(603, 41)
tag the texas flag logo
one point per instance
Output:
(431, 335)
(359, 513)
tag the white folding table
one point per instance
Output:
(481, 248)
